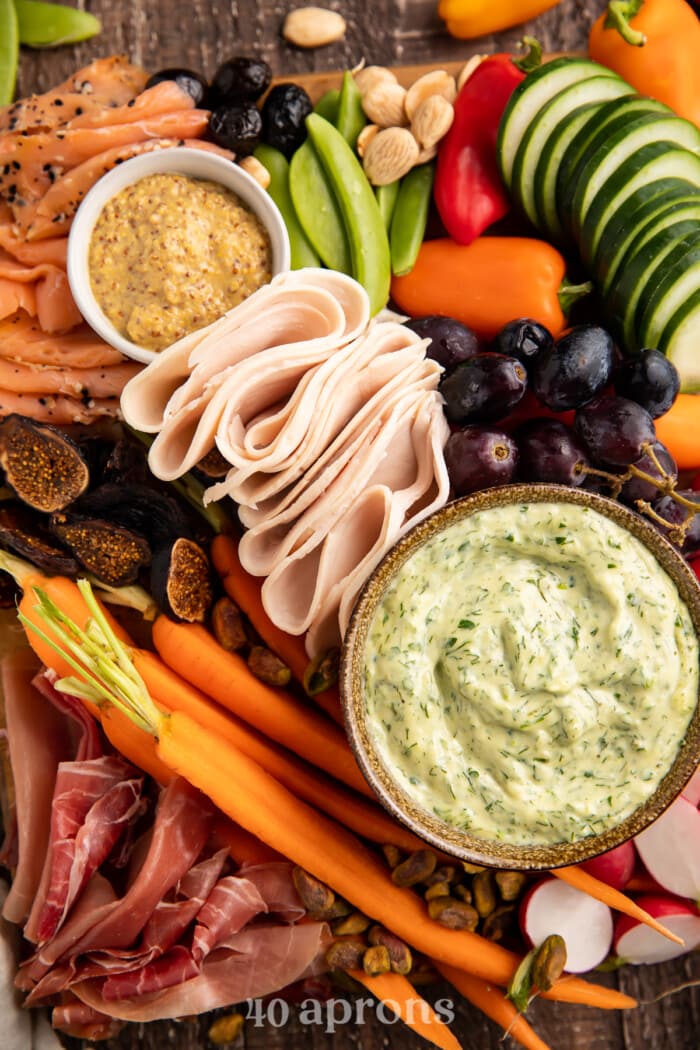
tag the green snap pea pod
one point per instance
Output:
(9, 50)
(316, 207)
(50, 25)
(366, 233)
(351, 117)
(410, 218)
(386, 199)
(302, 254)
(327, 105)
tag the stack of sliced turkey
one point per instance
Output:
(333, 428)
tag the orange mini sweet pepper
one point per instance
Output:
(487, 283)
(655, 46)
(472, 18)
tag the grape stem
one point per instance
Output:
(665, 483)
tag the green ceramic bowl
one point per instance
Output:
(396, 800)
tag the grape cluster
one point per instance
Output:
(570, 411)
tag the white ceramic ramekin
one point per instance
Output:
(198, 164)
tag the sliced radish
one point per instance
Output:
(614, 867)
(670, 849)
(691, 791)
(551, 906)
(636, 943)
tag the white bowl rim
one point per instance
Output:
(181, 160)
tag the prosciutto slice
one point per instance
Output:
(93, 804)
(38, 742)
(257, 961)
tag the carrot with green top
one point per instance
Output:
(363, 817)
(255, 800)
(196, 656)
(399, 995)
(601, 891)
(245, 591)
(493, 1002)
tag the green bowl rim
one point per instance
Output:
(435, 832)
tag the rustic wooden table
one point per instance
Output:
(200, 34)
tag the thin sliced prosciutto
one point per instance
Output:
(38, 741)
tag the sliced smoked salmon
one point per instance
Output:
(53, 213)
(58, 409)
(22, 339)
(81, 383)
(106, 82)
(29, 165)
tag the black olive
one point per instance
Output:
(192, 83)
(284, 112)
(236, 127)
(239, 79)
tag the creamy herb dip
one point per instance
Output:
(169, 254)
(530, 673)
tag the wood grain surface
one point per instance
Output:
(200, 34)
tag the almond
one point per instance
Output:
(391, 153)
(384, 105)
(365, 137)
(370, 77)
(313, 27)
(437, 82)
(467, 69)
(257, 170)
(432, 120)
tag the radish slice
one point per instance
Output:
(670, 849)
(691, 791)
(586, 925)
(614, 867)
(636, 943)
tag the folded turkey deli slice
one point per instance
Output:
(306, 313)
(333, 429)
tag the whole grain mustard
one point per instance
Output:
(170, 254)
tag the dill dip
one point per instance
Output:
(530, 672)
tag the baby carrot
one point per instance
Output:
(402, 999)
(679, 430)
(243, 847)
(492, 1002)
(357, 813)
(586, 883)
(244, 590)
(196, 655)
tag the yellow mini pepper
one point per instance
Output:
(472, 18)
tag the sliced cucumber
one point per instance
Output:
(602, 164)
(542, 125)
(641, 276)
(531, 95)
(680, 341)
(610, 118)
(650, 201)
(686, 211)
(681, 280)
(658, 160)
(547, 171)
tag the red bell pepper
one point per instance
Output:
(469, 192)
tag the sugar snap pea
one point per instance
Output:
(9, 47)
(316, 206)
(302, 254)
(351, 117)
(386, 199)
(50, 25)
(327, 105)
(410, 218)
(366, 233)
